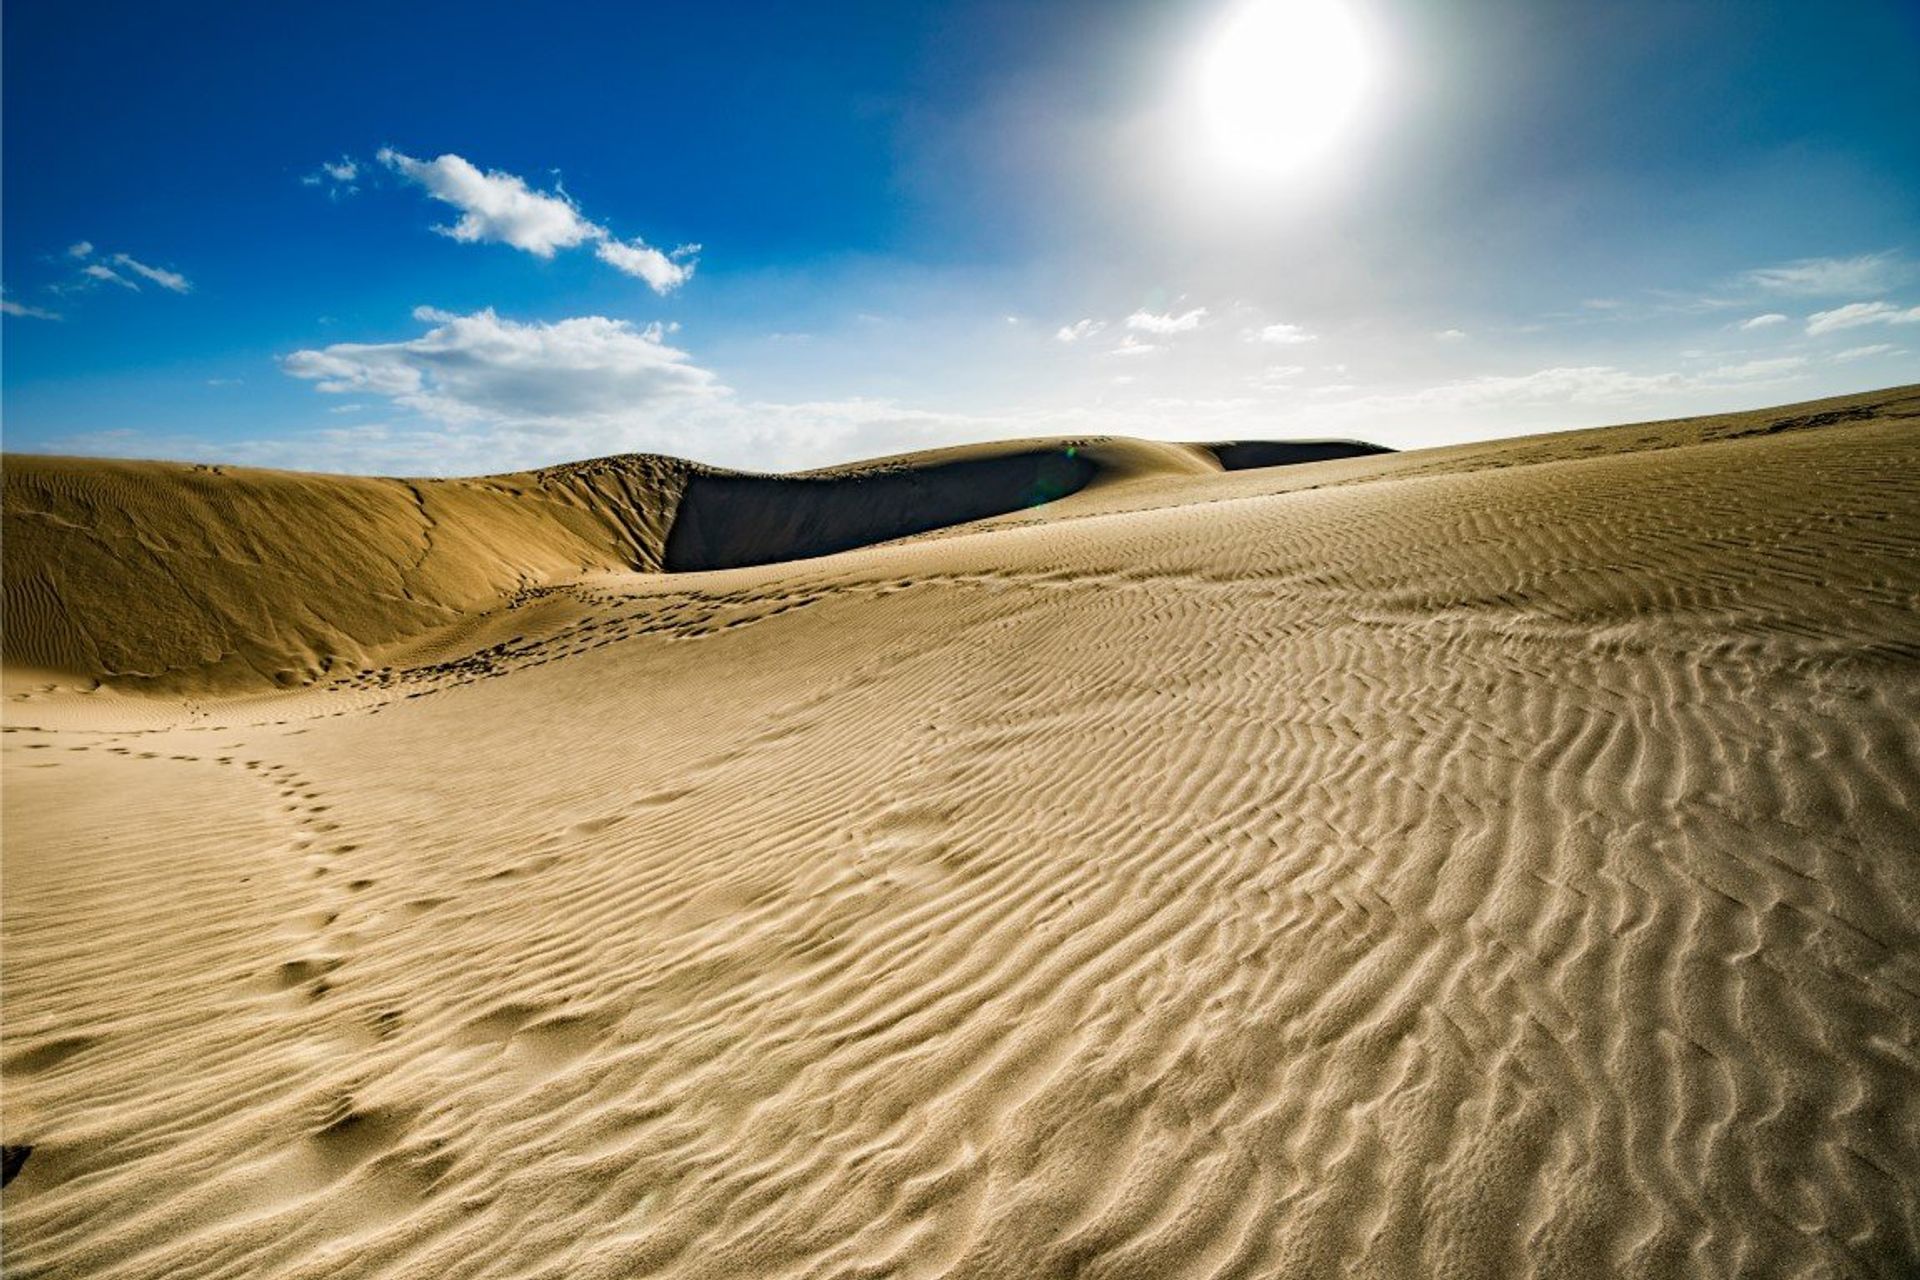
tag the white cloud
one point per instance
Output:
(338, 177)
(1764, 321)
(9, 307)
(1451, 335)
(1863, 353)
(80, 249)
(588, 376)
(1825, 277)
(1281, 335)
(1168, 323)
(165, 279)
(1856, 314)
(500, 208)
(1079, 329)
(496, 207)
(663, 272)
(107, 275)
(1132, 346)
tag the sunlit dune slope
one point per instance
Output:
(1486, 861)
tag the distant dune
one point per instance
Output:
(1090, 858)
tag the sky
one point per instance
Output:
(454, 239)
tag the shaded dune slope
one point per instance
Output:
(1243, 455)
(726, 521)
(173, 576)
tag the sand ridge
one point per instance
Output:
(1484, 861)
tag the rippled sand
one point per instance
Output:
(1488, 861)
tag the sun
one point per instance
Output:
(1280, 83)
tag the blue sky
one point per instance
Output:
(463, 238)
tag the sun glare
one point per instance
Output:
(1280, 84)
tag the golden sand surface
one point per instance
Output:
(1485, 861)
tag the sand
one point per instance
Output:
(1484, 861)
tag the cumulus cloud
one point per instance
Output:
(1168, 323)
(1856, 314)
(497, 207)
(587, 374)
(80, 249)
(1826, 277)
(165, 279)
(1281, 335)
(1764, 321)
(663, 272)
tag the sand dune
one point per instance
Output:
(196, 578)
(1479, 861)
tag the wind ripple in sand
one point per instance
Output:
(1499, 871)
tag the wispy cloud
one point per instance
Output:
(1867, 352)
(1828, 277)
(172, 280)
(1856, 314)
(98, 271)
(1277, 377)
(1575, 385)
(1079, 329)
(107, 275)
(500, 208)
(1768, 320)
(9, 307)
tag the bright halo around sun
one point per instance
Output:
(1280, 84)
